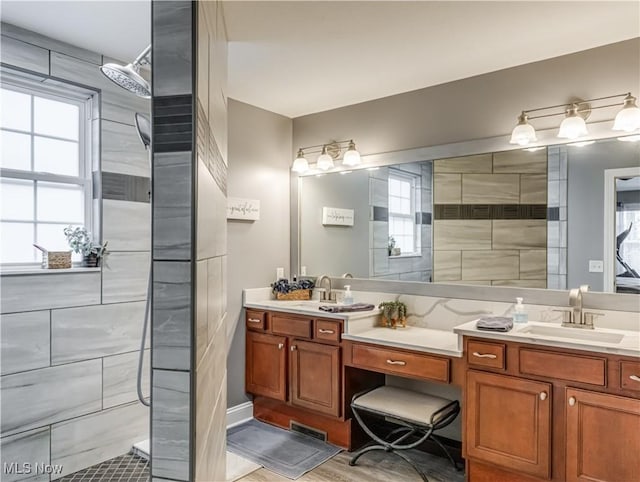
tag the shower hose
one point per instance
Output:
(142, 343)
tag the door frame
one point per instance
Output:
(609, 244)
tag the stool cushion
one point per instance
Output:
(401, 404)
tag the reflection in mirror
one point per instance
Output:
(627, 227)
(527, 218)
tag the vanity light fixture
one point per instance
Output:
(328, 154)
(573, 126)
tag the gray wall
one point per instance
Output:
(259, 163)
(585, 210)
(335, 250)
(70, 340)
(477, 107)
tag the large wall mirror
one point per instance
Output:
(526, 218)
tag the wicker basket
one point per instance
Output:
(294, 295)
(58, 259)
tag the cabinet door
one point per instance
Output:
(508, 422)
(315, 377)
(266, 365)
(603, 437)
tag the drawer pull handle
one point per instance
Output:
(572, 401)
(280, 346)
(396, 362)
(543, 396)
(294, 348)
(635, 378)
(322, 330)
(484, 355)
(254, 320)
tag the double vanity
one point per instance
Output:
(540, 402)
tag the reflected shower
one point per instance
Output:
(128, 76)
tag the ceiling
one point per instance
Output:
(300, 57)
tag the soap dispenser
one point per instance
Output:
(348, 295)
(519, 315)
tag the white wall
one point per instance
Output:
(259, 163)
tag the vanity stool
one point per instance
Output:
(417, 414)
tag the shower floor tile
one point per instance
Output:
(126, 468)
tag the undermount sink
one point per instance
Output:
(573, 333)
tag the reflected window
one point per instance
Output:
(44, 169)
(403, 232)
(628, 235)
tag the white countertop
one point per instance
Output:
(438, 342)
(309, 308)
(556, 336)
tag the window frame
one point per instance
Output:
(70, 94)
(413, 180)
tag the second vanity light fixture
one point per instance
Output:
(573, 126)
(328, 154)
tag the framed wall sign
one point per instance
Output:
(243, 209)
(337, 217)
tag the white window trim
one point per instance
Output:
(412, 179)
(71, 94)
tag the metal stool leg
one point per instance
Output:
(446, 452)
(363, 451)
(412, 464)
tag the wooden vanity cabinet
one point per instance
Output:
(550, 414)
(266, 365)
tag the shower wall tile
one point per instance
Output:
(24, 339)
(49, 291)
(521, 283)
(71, 390)
(202, 322)
(533, 189)
(520, 161)
(117, 104)
(214, 288)
(172, 45)
(172, 315)
(379, 192)
(519, 234)
(82, 442)
(125, 277)
(478, 164)
(27, 447)
(170, 424)
(119, 378)
(126, 225)
(122, 151)
(172, 206)
(461, 234)
(447, 188)
(490, 188)
(95, 331)
(34, 38)
(447, 265)
(533, 264)
(211, 217)
(124, 187)
(494, 264)
(24, 55)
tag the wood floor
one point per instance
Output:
(376, 466)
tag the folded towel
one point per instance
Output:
(347, 308)
(494, 323)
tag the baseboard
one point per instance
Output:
(239, 414)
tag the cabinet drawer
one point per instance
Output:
(256, 320)
(485, 354)
(327, 330)
(401, 363)
(575, 368)
(290, 325)
(630, 375)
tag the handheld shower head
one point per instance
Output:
(144, 129)
(128, 76)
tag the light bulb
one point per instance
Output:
(628, 119)
(573, 126)
(325, 161)
(523, 133)
(352, 156)
(300, 165)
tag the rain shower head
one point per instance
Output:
(128, 76)
(144, 129)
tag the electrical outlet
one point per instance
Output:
(303, 271)
(596, 266)
(279, 273)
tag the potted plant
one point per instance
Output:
(394, 313)
(392, 244)
(80, 242)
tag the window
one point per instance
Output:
(44, 169)
(402, 211)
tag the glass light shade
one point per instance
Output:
(573, 127)
(351, 158)
(325, 161)
(300, 165)
(628, 119)
(523, 134)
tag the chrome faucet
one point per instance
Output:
(327, 296)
